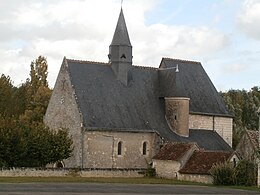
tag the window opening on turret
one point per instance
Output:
(123, 56)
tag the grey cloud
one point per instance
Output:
(248, 19)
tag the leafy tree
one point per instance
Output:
(23, 146)
(6, 89)
(24, 140)
(243, 105)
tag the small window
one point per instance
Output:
(144, 148)
(175, 117)
(123, 56)
(119, 148)
(234, 162)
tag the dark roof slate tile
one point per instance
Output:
(191, 81)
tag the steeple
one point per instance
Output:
(121, 36)
(120, 51)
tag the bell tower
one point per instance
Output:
(120, 51)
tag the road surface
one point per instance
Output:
(98, 189)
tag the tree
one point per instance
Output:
(24, 140)
(6, 88)
(242, 105)
(38, 92)
(22, 146)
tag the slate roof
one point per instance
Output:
(105, 103)
(173, 151)
(191, 81)
(202, 161)
(121, 36)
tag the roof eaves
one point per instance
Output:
(181, 60)
(86, 62)
(212, 114)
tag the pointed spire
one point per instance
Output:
(120, 51)
(121, 36)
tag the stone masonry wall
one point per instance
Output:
(62, 111)
(34, 172)
(101, 149)
(222, 125)
(166, 168)
(196, 178)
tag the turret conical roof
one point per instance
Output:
(121, 36)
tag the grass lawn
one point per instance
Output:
(144, 180)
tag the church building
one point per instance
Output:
(120, 115)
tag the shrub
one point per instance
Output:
(222, 174)
(245, 173)
(150, 172)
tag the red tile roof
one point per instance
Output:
(173, 151)
(202, 161)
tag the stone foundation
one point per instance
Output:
(47, 172)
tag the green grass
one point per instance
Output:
(144, 180)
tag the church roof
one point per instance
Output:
(105, 103)
(121, 36)
(191, 81)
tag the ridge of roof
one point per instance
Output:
(181, 60)
(86, 62)
(145, 67)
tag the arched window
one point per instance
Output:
(119, 148)
(144, 148)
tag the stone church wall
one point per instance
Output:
(63, 112)
(101, 149)
(222, 125)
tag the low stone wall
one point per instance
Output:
(196, 178)
(50, 172)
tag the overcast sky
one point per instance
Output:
(224, 35)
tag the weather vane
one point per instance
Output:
(122, 2)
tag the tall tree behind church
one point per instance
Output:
(243, 106)
(38, 91)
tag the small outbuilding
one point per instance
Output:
(186, 161)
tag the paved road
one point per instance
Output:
(97, 189)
